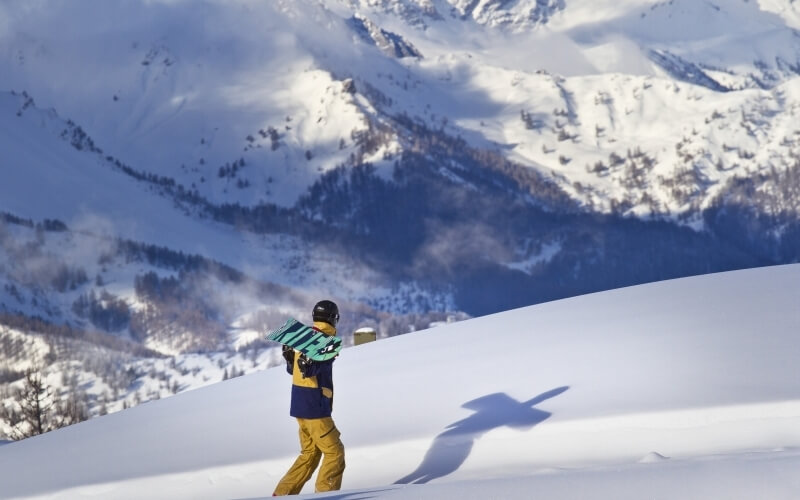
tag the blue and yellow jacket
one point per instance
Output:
(312, 392)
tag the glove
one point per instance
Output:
(304, 364)
(288, 355)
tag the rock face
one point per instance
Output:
(517, 14)
(389, 43)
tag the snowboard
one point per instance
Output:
(314, 344)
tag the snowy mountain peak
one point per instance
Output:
(416, 13)
(516, 14)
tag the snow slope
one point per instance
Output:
(678, 389)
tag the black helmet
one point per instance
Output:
(326, 311)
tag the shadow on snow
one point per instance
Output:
(451, 448)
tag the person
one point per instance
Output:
(312, 405)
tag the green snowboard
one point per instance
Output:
(314, 344)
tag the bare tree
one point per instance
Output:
(34, 402)
(36, 410)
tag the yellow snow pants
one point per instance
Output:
(319, 438)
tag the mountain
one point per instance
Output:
(178, 178)
(678, 389)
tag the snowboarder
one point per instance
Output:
(312, 403)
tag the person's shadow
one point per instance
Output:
(451, 448)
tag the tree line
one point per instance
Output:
(35, 409)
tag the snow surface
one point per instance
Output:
(678, 389)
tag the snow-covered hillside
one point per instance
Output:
(678, 389)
